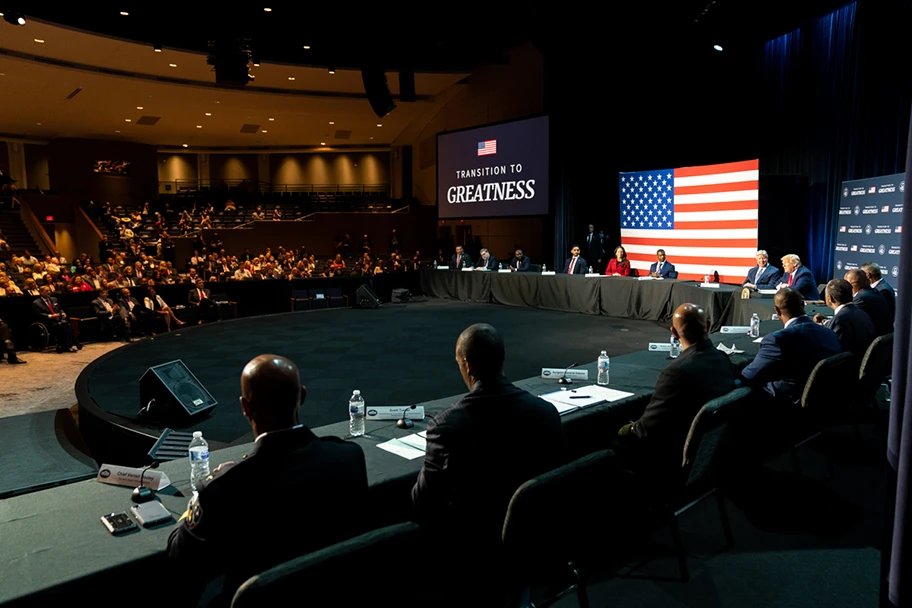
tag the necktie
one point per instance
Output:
(589, 240)
(572, 263)
(50, 306)
(791, 278)
(201, 294)
(660, 267)
(759, 274)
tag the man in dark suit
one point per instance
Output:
(762, 276)
(49, 312)
(654, 444)
(138, 319)
(520, 262)
(199, 297)
(219, 535)
(870, 301)
(594, 251)
(460, 259)
(472, 467)
(575, 264)
(7, 347)
(486, 261)
(798, 277)
(852, 325)
(109, 317)
(787, 357)
(873, 271)
(662, 268)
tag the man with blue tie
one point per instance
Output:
(798, 277)
(574, 264)
(662, 269)
(787, 357)
(762, 276)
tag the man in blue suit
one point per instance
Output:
(852, 325)
(762, 276)
(575, 264)
(798, 277)
(787, 357)
(662, 269)
(486, 261)
(873, 272)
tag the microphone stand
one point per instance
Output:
(142, 493)
(564, 380)
(403, 422)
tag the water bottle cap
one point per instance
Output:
(356, 392)
(197, 434)
(604, 353)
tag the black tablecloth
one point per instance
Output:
(52, 541)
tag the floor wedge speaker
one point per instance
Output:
(179, 396)
(366, 298)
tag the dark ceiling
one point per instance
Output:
(432, 38)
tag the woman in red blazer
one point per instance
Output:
(619, 266)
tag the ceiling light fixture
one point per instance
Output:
(13, 18)
(125, 13)
(117, 130)
(718, 47)
(139, 107)
(173, 65)
(199, 126)
(332, 70)
(127, 120)
(306, 47)
(265, 131)
(256, 64)
(157, 48)
(39, 124)
(379, 124)
(268, 10)
(322, 143)
(371, 138)
(332, 122)
(208, 113)
(184, 145)
(271, 119)
(291, 78)
(39, 40)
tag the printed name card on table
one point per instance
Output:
(443, 268)
(574, 374)
(548, 273)
(647, 278)
(130, 476)
(660, 347)
(594, 274)
(768, 292)
(468, 269)
(710, 285)
(394, 412)
(736, 329)
(507, 270)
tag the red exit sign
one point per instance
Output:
(49, 218)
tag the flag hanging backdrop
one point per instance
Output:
(705, 218)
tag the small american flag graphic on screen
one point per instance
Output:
(705, 218)
(487, 147)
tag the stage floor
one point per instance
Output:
(398, 354)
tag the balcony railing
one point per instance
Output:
(252, 186)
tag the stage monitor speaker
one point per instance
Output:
(378, 92)
(179, 396)
(366, 298)
(400, 295)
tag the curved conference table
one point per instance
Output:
(54, 546)
(626, 297)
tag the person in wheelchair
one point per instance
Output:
(48, 311)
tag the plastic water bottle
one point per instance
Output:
(435, 264)
(199, 460)
(544, 268)
(706, 278)
(604, 365)
(755, 326)
(675, 347)
(590, 272)
(356, 414)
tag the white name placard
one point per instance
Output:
(557, 372)
(594, 274)
(660, 347)
(735, 329)
(129, 476)
(468, 269)
(395, 412)
(710, 285)
(548, 273)
(646, 278)
(507, 270)
(768, 292)
(443, 268)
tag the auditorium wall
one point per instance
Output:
(173, 168)
(71, 165)
(345, 168)
(500, 236)
(36, 166)
(233, 166)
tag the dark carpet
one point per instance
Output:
(399, 354)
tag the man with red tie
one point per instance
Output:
(200, 298)
(798, 277)
(48, 310)
(575, 264)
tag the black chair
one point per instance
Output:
(336, 297)
(828, 396)
(707, 458)
(552, 523)
(876, 367)
(86, 327)
(357, 572)
(300, 300)
(318, 299)
(535, 268)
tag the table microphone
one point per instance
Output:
(564, 379)
(143, 494)
(405, 423)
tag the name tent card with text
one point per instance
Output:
(554, 373)
(736, 329)
(130, 476)
(660, 347)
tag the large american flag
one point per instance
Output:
(705, 218)
(487, 147)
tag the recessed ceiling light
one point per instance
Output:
(306, 47)
(718, 47)
(125, 13)
(208, 113)
(117, 130)
(127, 120)
(265, 131)
(139, 107)
(371, 137)
(256, 64)
(271, 119)
(291, 78)
(184, 145)
(39, 124)
(332, 122)
(379, 124)
(268, 10)
(39, 40)
(157, 48)
(332, 70)
(199, 126)
(322, 143)
(173, 65)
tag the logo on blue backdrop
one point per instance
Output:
(838, 264)
(845, 192)
(857, 210)
(902, 186)
(895, 271)
(881, 250)
(869, 229)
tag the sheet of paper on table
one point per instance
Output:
(416, 441)
(590, 396)
(561, 407)
(397, 447)
(758, 340)
(727, 350)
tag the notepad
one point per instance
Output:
(397, 447)
(416, 441)
(569, 401)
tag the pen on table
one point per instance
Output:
(579, 396)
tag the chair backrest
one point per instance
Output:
(534, 267)
(300, 294)
(821, 289)
(706, 443)
(830, 382)
(329, 570)
(876, 365)
(550, 516)
(219, 297)
(333, 292)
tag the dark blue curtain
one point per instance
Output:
(835, 97)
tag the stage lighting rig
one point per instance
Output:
(230, 58)
(12, 17)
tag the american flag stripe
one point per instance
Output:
(711, 225)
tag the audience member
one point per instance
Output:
(287, 460)
(870, 301)
(202, 300)
(7, 348)
(109, 316)
(873, 271)
(48, 310)
(852, 325)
